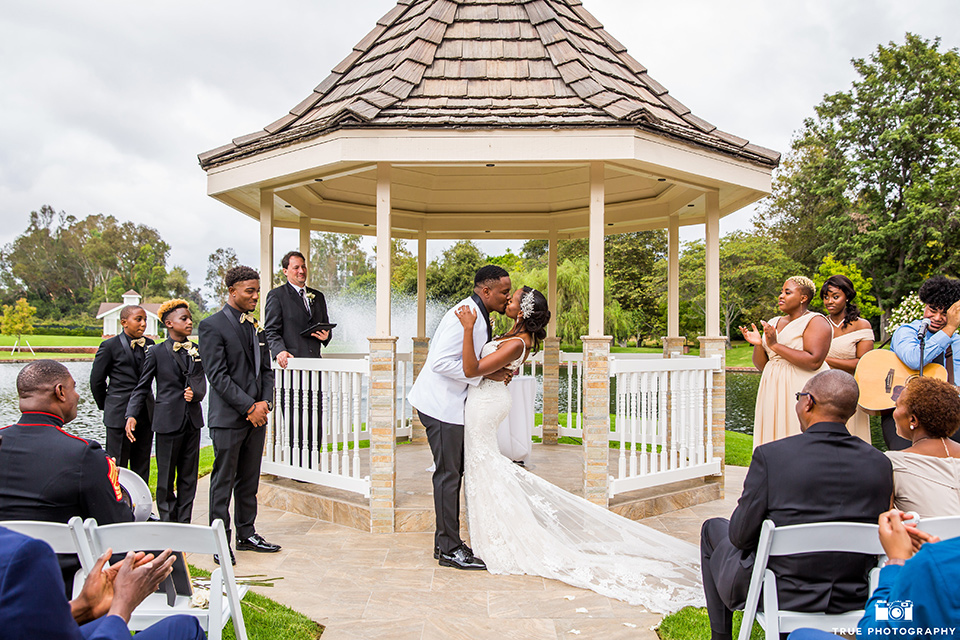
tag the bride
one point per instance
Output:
(522, 524)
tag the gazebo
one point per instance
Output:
(509, 119)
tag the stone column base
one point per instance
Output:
(673, 346)
(383, 440)
(596, 418)
(551, 390)
(420, 348)
(717, 346)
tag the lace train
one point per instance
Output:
(522, 524)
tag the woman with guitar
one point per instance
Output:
(790, 351)
(852, 338)
(926, 476)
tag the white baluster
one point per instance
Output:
(325, 421)
(357, 397)
(316, 429)
(345, 422)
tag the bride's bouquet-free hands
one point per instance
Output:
(468, 318)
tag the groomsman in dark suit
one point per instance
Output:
(177, 419)
(237, 362)
(291, 308)
(115, 373)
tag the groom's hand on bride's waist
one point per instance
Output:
(504, 375)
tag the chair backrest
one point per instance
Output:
(63, 538)
(188, 538)
(849, 537)
(945, 527)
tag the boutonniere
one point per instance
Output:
(310, 296)
(194, 353)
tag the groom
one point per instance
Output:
(439, 395)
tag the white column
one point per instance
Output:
(673, 276)
(552, 249)
(422, 284)
(305, 241)
(266, 244)
(383, 249)
(712, 270)
(595, 324)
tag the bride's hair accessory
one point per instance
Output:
(526, 303)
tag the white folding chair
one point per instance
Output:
(852, 537)
(63, 538)
(225, 596)
(945, 527)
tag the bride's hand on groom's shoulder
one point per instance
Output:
(466, 316)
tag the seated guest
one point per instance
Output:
(941, 299)
(46, 473)
(176, 367)
(926, 476)
(924, 581)
(34, 605)
(823, 474)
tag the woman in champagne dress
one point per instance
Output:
(852, 338)
(926, 476)
(521, 524)
(791, 349)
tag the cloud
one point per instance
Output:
(106, 104)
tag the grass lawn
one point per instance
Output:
(51, 341)
(268, 620)
(692, 624)
(740, 355)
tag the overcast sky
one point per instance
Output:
(106, 104)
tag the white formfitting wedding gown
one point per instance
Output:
(522, 524)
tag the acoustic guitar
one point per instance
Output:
(882, 377)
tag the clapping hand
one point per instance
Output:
(769, 332)
(466, 316)
(751, 335)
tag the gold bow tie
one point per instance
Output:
(249, 317)
(182, 345)
(138, 342)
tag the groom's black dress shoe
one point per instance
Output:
(257, 543)
(436, 551)
(233, 558)
(462, 558)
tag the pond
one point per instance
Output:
(89, 421)
(741, 399)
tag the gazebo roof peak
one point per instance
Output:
(489, 64)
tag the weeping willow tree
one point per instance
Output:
(573, 301)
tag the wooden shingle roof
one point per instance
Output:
(489, 64)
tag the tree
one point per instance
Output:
(752, 271)
(17, 318)
(335, 260)
(874, 177)
(450, 278)
(218, 263)
(863, 286)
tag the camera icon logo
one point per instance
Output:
(894, 610)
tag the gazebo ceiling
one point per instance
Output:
(489, 113)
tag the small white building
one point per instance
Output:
(110, 313)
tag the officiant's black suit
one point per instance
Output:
(285, 316)
(177, 424)
(115, 373)
(237, 363)
(824, 474)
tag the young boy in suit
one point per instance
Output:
(175, 365)
(116, 371)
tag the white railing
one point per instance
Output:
(574, 391)
(664, 410)
(316, 428)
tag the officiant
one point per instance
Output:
(290, 310)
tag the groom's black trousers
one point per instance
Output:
(446, 443)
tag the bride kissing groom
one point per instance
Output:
(439, 395)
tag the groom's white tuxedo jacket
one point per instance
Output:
(440, 391)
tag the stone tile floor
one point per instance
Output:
(366, 586)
